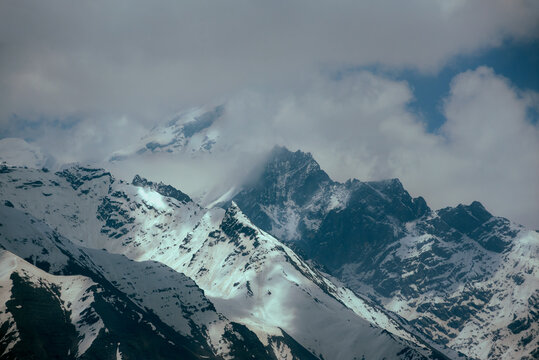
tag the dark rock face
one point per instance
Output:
(370, 215)
(45, 328)
(372, 219)
(465, 218)
(46, 331)
(78, 175)
(4, 169)
(163, 189)
(115, 217)
(477, 223)
(232, 228)
(374, 235)
(286, 177)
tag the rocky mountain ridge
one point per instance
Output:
(466, 278)
(248, 276)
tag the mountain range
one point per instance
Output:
(287, 264)
(466, 278)
(137, 247)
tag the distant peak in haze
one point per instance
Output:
(282, 152)
(295, 163)
(190, 132)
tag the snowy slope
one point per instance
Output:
(464, 277)
(68, 317)
(150, 286)
(259, 282)
(188, 132)
(251, 278)
(70, 293)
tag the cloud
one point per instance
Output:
(87, 139)
(84, 79)
(491, 148)
(362, 127)
(63, 58)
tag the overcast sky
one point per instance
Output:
(82, 79)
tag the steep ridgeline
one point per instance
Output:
(267, 302)
(464, 277)
(67, 317)
(188, 133)
(59, 300)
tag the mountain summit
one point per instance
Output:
(126, 267)
(207, 282)
(447, 271)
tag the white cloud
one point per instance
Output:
(146, 59)
(359, 126)
(121, 66)
(487, 150)
(491, 148)
(88, 140)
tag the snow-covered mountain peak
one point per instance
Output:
(163, 189)
(439, 269)
(233, 213)
(188, 133)
(77, 175)
(492, 232)
(292, 195)
(255, 281)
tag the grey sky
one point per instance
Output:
(149, 58)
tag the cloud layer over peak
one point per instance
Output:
(362, 127)
(65, 58)
(86, 79)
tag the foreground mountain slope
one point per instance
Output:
(145, 289)
(46, 316)
(247, 274)
(468, 279)
(258, 281)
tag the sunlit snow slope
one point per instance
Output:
(149, 299)
(250, 277)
